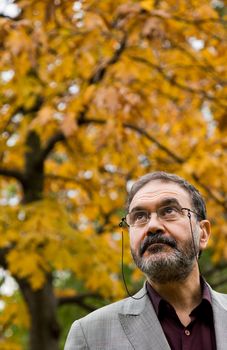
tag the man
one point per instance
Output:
(176, 309)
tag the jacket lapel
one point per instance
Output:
(141, 324)
(219, 303)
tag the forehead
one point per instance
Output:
(157, 191)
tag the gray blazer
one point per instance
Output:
(132, 324)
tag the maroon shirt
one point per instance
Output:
(198, 335)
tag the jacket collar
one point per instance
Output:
(141, 325)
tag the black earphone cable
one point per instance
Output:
(122, 265)
(193, 239)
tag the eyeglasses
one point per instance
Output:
(141, 217)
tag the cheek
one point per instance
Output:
(135, 238)
(180, 232)
(196, 235)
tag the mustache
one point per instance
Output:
(156, 238)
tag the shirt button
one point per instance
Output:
(187, 332)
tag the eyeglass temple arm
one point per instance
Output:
(191, 211)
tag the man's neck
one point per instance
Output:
(183, 295)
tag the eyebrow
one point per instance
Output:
(164, 202)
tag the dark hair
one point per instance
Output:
(197, 200)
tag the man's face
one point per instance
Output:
(164, 250)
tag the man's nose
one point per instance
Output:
(154, 224)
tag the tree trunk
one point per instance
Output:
(33, 170)
(44, 331)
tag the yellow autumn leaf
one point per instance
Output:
(147, 4)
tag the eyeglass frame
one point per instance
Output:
(123, 220)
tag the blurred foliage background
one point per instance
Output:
(94, 94)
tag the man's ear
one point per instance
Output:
(205, 231)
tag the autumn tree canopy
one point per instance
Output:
(94, 94)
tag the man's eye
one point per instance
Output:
(140, 215)
(168, 211)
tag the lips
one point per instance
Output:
(156, 248)
(154, 241)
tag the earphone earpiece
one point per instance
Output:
(122, 222)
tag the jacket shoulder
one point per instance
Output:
(107, 312)
(131, 305)
(97, 328)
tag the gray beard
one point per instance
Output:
(168, 266)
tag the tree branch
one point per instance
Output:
(141, 132)
(22, 110)
(152, 139)
(194, 21)
(211, 194)
(3, 253)
(172, 81)
(58, 137)
(101, 71)
(60, 178)
(16, 174)
(79, 300)
(94, 79)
